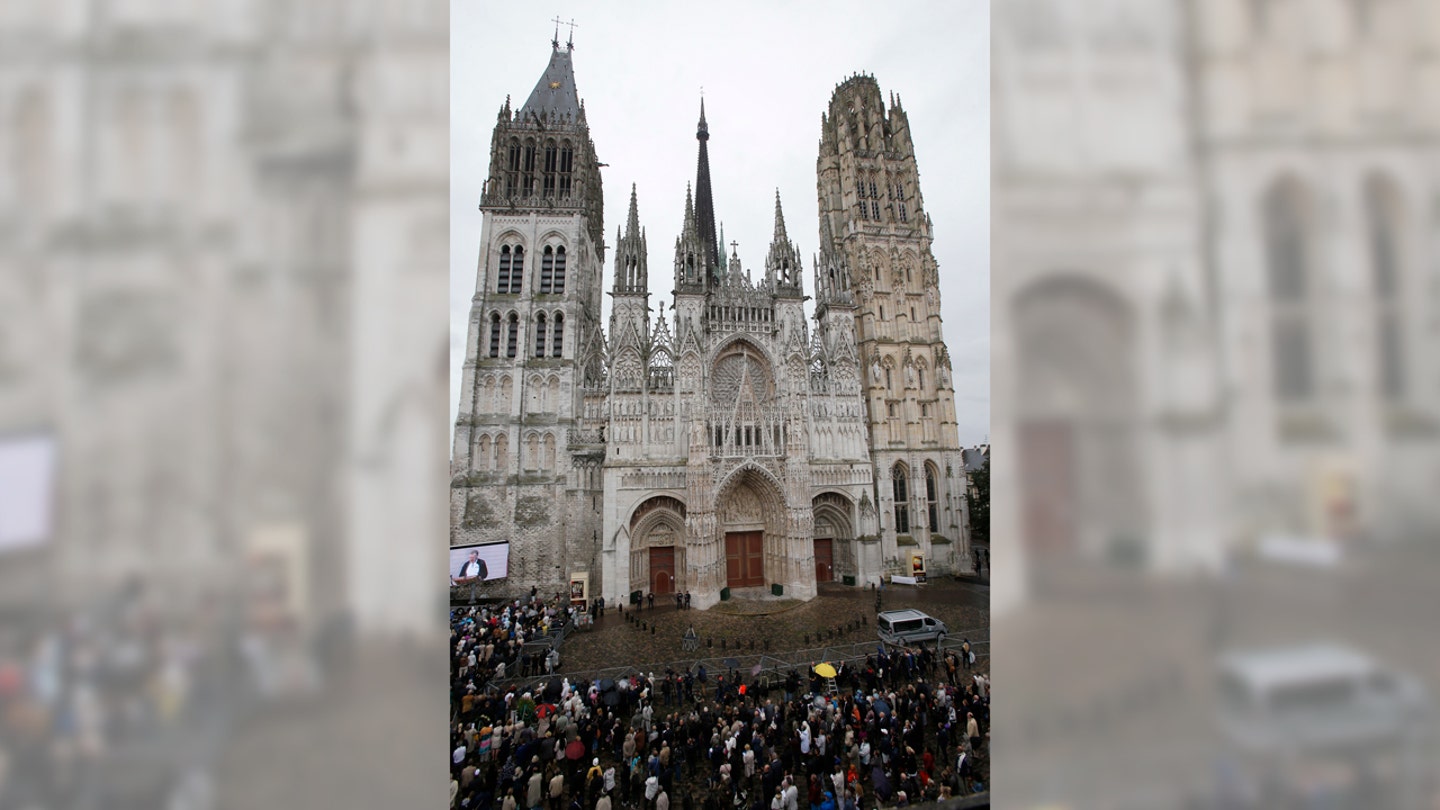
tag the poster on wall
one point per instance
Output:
(481, 563)
(917, 568)
(28, 463)
(579, 589)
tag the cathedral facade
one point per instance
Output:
(738, 443)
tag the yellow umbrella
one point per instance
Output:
(825, 670)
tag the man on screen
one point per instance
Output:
(473, 569)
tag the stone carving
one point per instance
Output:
(742, 507)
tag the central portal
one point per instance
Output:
(744, 559)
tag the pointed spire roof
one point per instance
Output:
(780, 236)
(632, 225)
(704, 205)
(555, 93)
(689, 226)
(782, 265)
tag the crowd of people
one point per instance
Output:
(900, 727)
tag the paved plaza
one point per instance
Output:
(839, 616)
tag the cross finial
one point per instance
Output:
(555, 41)
(571, 42)
(734, 246)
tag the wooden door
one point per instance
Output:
(1047, 466)
(744, 559)
(662, 570)
(824, 559)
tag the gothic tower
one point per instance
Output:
(533, 340)
(872, 213)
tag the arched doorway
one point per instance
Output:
(657, 548)
(1081, 484)
(751, 516)
(834, 534)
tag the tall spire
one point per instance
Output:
(633, 223)
(689, 252)
(631, 273)
(782, 265)
(704, 205)
(780, 235)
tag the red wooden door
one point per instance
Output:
(824, 559)
(1047, 466)
(744, 559)
(662, 570)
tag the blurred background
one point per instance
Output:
(223, 348)
(1215, 432)
(1216, 421)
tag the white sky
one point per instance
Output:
(768, 73)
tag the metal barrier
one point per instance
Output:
(771, 664)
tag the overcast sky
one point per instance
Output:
(767, 74)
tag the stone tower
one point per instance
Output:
(873, 213)
(532, 339)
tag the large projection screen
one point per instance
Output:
(495, 555)
(27, 490)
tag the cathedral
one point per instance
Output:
(735, 445)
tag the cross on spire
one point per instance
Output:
(559, 22)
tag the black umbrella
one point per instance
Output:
(606, 684)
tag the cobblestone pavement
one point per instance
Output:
(962, 605)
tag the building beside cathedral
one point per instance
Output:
(736, 443)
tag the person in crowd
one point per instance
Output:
(653, 740)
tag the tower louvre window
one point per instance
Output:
(540, 331)
(874, 210)
(512, 174)
(547, 270)
(551, 164)
(557, 341)
(527, 185)
(495, 335)
(559, 270)
(567, 161)
(513, 335)
(512, 264)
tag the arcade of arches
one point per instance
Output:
(753, 545)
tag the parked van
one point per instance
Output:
(909, 627)
(1325, 716)
(1316, 696)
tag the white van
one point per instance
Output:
(1314, 696)
(909, 627)
(1325, 717)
